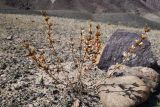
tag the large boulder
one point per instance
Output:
(127, 86)
(120, 42)
(126, 91)
(149, 76)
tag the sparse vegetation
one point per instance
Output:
(83, 51)
(85, 60)
(130, 53)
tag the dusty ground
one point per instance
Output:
(19, 78)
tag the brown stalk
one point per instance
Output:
(138, 43)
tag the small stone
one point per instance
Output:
(39, 95)
(55, 92)
(9, 37)
(3, 66)
(18, 87)
(32, 98)
(9, 89)
(158, 97)
(12, 81)
(17, 75)
(158, 63)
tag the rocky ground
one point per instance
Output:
(19, 77)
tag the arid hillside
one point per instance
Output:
(93, 6)
(134, 13)
(152, 4)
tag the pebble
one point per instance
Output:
(3, 66)
(158, 62)
(9, 37)
(30, 105)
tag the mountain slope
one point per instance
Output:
(93, 6)
(152, 4)
(135, 13)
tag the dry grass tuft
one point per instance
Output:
(88, 49)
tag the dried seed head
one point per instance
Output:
(124, 54)
(32, 50)
(33, 57)
(98, 34)
(90, 25)
(46, 18)
(44, 66)
(98, 27)
(82, 30)
(141, 43)
(133, 56)
(90, 29)
(25, 45)
(41, 58)
(137, 42)
(143, 36)
(50, 25)
(51, 41)
(131, 50)
(118, 66)
(49, 33)
(44, 13)
(133, 47)
(146, 29)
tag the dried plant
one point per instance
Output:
(130, 53)
(92, 44)
(52, 42)
(88, 51)
(40, 60)
(97, 44)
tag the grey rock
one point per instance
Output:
(149, 76)
(21, 85)
(127, 86)
(39, 95)
(158, 97)
(9, 37)
(158, 63)
(3, 66)
(118, 43)
(126, 91)
(18, 87)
